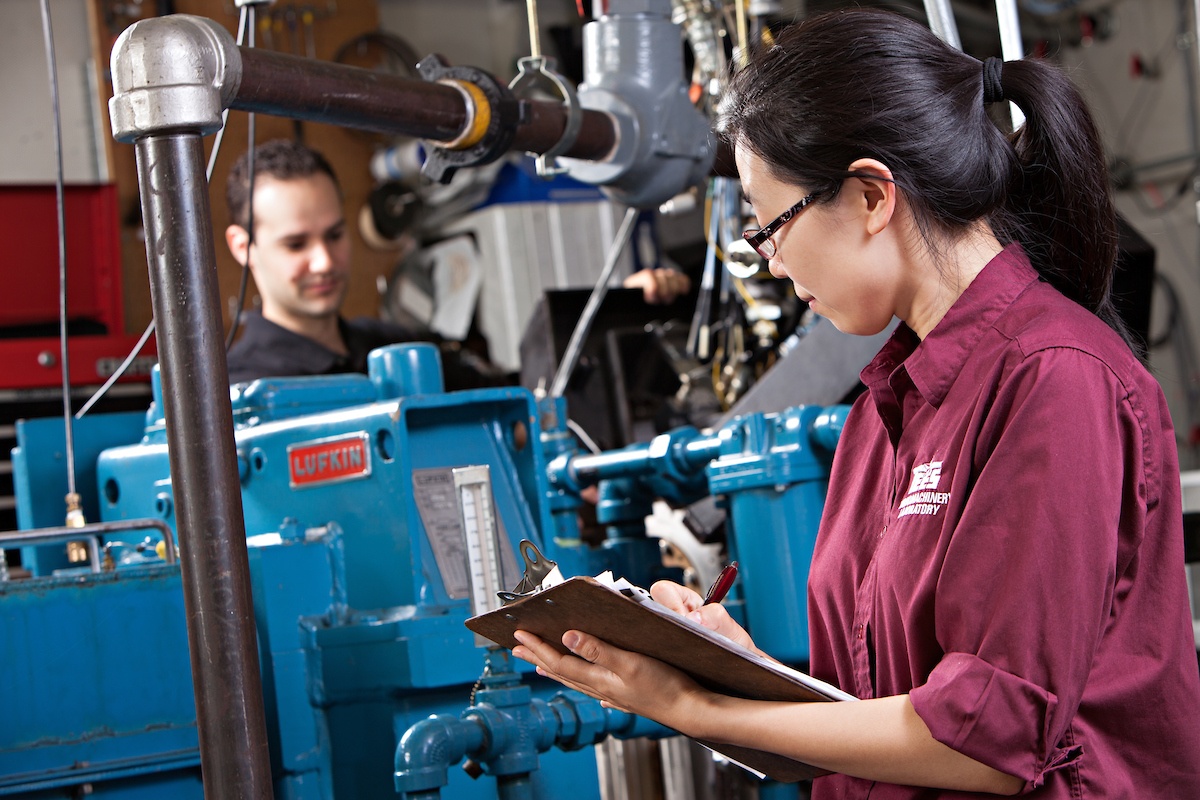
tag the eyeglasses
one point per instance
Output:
(761, 240)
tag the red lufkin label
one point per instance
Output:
(339, 458)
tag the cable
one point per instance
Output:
(118, 372)
(241, 299)
(137, 348)
(578, 430)
(74, 514)
(697, 341)
(579, 335)
(245, 280)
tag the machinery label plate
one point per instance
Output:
(332, 460)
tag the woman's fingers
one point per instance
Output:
(713, 616)
(675, 597)
(623, 680)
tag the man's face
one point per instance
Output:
(301, 252)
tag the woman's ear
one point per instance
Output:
(875, 189)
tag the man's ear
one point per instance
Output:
(877, 190)
(239, 243)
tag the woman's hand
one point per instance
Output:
(618, 678)
(712, 616)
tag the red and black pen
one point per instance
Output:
(720, 587)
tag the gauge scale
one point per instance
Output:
(476, 511)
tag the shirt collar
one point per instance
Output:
(933, 364)
(303, 356)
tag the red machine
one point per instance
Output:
(97, 342)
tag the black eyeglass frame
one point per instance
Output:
(762, 237)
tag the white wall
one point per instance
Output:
(26, 126)
(1143, 120)
(490, 34)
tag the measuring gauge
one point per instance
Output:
(473, 489)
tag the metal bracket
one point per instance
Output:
(504, 114)
(531, 69)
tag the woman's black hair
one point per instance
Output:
(864, 83)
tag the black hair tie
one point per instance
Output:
(993, 92)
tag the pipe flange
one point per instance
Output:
(175, 73)
(531, 69)
(493, 115)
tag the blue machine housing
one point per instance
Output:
(357, 564)
(360, 625)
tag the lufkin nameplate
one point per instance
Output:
(332, 460)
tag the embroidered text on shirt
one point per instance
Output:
(922, 499)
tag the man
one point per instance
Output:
(300, 259)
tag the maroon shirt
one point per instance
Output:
(1003, 541)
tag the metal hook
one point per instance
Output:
(531, 70)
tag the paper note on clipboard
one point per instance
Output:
(627, 617)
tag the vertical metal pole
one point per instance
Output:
(1010, 46)
(941, 22)
(208, 498)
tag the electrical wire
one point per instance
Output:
(575, 345)
(588, 442)
(697, 341)
(118, 372)
(708, 238)
(740, 285)
(212, 163)
(52, 69)
(245, 279)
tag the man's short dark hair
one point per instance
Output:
(281, 159)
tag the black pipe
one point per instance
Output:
(337, 94)
(208, 497)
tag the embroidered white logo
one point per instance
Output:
(922, 497)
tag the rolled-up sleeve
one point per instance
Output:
(1056, 504)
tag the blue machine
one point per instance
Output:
(361, 555)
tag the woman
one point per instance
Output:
(998, 573)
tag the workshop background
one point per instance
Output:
(1136, 61)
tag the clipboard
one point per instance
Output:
(630, 620)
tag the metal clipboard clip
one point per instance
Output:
(537, 567)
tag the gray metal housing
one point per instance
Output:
(633, 70)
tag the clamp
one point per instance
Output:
(531, 69)
(493, 115)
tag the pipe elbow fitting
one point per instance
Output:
(826, 428)
(427, 749)
(175, 73)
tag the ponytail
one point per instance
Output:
(1060, 207)
(863, 83)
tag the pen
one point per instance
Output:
(720, 587)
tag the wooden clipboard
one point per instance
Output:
(640, 625)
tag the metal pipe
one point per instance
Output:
(56, 536)
(1010, 46)
(25, 538)
(579, 335)
(199, 420)
(941, 22)
(285, 86)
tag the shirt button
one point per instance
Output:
(860, 631)
(882, 532)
